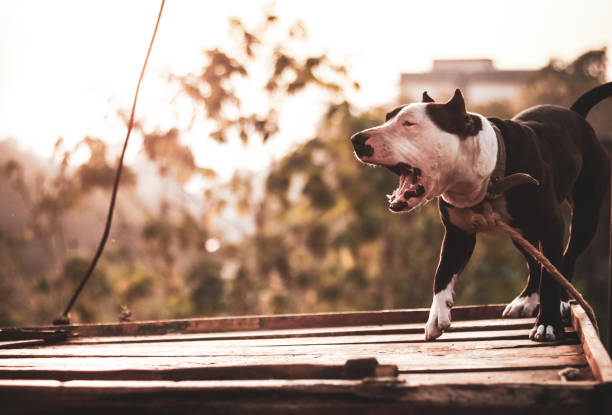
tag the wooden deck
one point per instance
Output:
(365, 362)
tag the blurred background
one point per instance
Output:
(241, 194)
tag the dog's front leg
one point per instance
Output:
(457, 249)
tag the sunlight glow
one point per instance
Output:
(212, 245)
(66, 69)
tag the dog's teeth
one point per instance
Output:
(414, 192)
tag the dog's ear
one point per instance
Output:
(453, 118)
(393, 113)
(457, 104)
(427, 98)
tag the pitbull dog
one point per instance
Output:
(440, 150)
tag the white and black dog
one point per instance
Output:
(440, 150)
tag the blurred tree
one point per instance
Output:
(213, 88)
(561, 83)
(97, 173)
(99, 292)
(171, 156)
(208, 289)
(34, 244)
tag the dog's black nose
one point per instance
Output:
(359, 143)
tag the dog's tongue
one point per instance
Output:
(409, 187)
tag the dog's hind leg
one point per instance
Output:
(587, 197)
(526, 303)
(548, 326)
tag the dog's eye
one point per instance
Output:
(408, 123)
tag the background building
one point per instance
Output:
(478, 79)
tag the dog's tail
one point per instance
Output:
(591, 98)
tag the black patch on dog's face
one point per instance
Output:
(393, 113)
(452, 117)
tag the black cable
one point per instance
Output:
(64, 318)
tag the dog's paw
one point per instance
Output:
(436, 325)
(432, 331)
(440, 313)
(565, 309)
(543, 333)
(547, 329)
(522, 306)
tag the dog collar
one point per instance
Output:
(499, 183)
(500, 166)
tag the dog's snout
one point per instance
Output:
(361, 148)
(359, 139)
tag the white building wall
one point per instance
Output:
(478, 79)
(440, 91)
(483, 92)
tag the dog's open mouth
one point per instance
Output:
(411, 187)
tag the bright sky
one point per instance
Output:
(66, 66)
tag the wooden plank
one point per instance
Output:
(462, 348)
(12, 333)
(276, 322)
(597, 358)
(405, 363)
(407, 358)
(508, 341)
(595, 353)
(301, 396)
(537, 374)
(415, 328)
(351, 369)
(503, 375)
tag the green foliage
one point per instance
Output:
(172, 157)
(99, 287)
(208, 288)
(97, 172)
(561, 83)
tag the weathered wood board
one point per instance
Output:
(305, 364)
